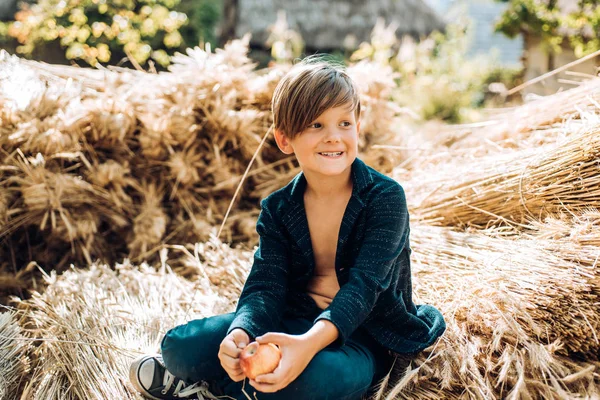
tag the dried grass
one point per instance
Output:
(522, 320)
(540, 114)
(512, 188)
(519, 287)
(514, 265)
(107, 163)
(14, 360)
(90, 323)
(548, 120)
(112, 163)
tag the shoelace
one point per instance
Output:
(199, 388)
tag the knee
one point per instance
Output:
(172, 347)
(194, 346)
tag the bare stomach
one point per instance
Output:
(323, 288)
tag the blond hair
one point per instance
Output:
(311, 87)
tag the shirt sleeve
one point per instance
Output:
(262, 301)
(387, 230)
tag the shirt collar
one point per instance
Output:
(361, 178)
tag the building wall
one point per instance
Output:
(482, 15)
(537, 64)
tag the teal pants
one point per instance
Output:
(335, 373)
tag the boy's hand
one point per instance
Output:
(296, 353)
(229, 353)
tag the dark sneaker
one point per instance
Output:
(150, 377)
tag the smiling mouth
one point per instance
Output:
(332, 154)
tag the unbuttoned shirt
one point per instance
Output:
(372, 265)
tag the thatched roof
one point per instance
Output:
(329, 24)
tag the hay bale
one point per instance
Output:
(513, 287)
(92, 322)
(433, 145)
(512, 188)
(512, 318)
(14, 358)
(515, 312)
(542, 113)
(85, 151)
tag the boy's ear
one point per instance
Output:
(283, 142)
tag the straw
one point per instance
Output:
(14, 361)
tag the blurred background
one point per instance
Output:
(471, 51)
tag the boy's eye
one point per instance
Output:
(317, 125)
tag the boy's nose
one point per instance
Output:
(332, 136)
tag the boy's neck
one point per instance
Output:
(321, 187)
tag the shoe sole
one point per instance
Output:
(134, 378)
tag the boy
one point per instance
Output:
(331, 280)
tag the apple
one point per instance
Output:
(257, 359)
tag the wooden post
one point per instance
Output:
(229, 21)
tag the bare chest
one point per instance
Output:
(324, 225)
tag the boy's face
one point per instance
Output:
(334, 131)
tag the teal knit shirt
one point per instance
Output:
(372, 266)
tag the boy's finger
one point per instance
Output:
(237, 377)
(230, 362)
(263, 387)
(231, 349)
(240, 338)
(268, 378)
(232, 372)
(231, 369)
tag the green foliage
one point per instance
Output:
(578, 23)
(3, 31)
(436, 78)
(203, 17)
(105, 31)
